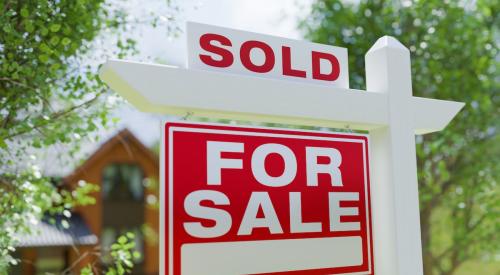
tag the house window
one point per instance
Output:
(122, 181)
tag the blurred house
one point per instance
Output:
(127, 174)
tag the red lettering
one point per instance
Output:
(246, 60)
(316, 67)
(226, 57)
(287, 64)
(220, 55)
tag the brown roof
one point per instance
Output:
(124, 138)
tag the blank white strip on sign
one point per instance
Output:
(253, 257)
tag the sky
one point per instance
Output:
(276, 17)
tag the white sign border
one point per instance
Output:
(188, 128)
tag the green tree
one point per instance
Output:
(50, 95)
(455, 56)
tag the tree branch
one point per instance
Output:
(56, 116)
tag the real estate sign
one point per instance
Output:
(246, 200)
(267, 201)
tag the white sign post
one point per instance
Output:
(387, 110)
(395, 205)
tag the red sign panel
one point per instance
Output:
(245, 200)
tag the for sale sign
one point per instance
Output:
(245, 200)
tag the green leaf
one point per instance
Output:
(36, 143)
(44, 31)
(55, 27)
(54, 40)
(128, 263)
(45, 48)
(122, 240)
(3, 145)
(65, 41)
(29, 26)
(25, 12)
(44, 58)
(87, 270)
(54, 67)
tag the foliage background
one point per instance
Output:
(50, 95)
(455, 56)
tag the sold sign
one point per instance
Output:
(242, 200)
(228, 50)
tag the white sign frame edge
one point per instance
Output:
(143, 85)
